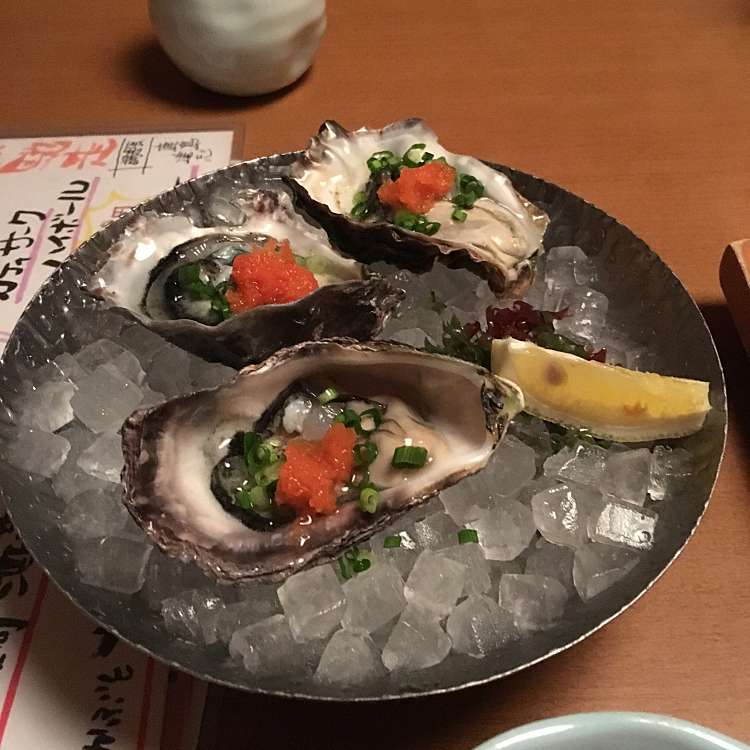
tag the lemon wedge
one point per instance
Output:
(610, 402)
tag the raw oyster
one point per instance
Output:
(172, 275)
(341, 171)
(181, 457)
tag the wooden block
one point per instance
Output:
(734, 275)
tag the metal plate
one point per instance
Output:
(646, 300)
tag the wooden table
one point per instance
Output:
(642, 108)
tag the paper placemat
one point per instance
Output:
(64, 682)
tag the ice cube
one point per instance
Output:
(208, 609)
(246, 612)
(37, 452)
(670, 468)
(179, 616)
(568, 265)
(94, 514)
(129, 367)
(536, 602)
(318, 421)
(598, 566)
(512, 466)
(435, 531)
(533, 432)
(113, 563)
(98, 353)
(70, 480)
(349, 659)
(561, 513)
(143, 343)
(435, 582)
(373, 598)
(460, 503)
(150, 398)
(105, 399)
(623, 525)
(587, 314)
(169, 372)
(47, 407)
(505, 530)
(103, 458)
(627, 474)
(267, 648)
(411, 336)
(166, 577)
(209, 374)
(68, 368)
(477, 579)
(416, 642)
(583, 463)
(402, 556)
(313, 602)
(478, 626)
(552, 561)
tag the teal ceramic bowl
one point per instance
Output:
(612, 731)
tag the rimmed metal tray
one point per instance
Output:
(646, 300)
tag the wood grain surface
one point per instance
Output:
(641, 107)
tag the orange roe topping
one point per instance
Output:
(417, 189)
(266, 276)
(313, 468)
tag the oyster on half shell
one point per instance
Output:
(181, 456)
(172, 276)
(498, 236)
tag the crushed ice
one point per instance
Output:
(553, 528)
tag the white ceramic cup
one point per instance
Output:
(240, 47)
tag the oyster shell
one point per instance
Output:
(138, 279)
(457, 410)
(498, 238)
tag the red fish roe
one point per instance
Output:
(417, 189)
(312, 470)
(268, 275)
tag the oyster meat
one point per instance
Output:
(471, 217)
(178, 279)
(308, 452)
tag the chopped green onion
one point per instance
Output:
(369, 498)
(354, 561)
(260, 499)
(328, 395)
(266, 453)
(189, 274)
(468, 536)
(409, 457)
(413, 156)
(459, 214)
(415, 222)
(317, 264)
(250, 443)
(268, 474)
(365, 453)
(242, 498)
(349, 417)
(360, 208)
(381, 160)
(392, 541)
(369, 421)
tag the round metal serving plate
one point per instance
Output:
(646, 300)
